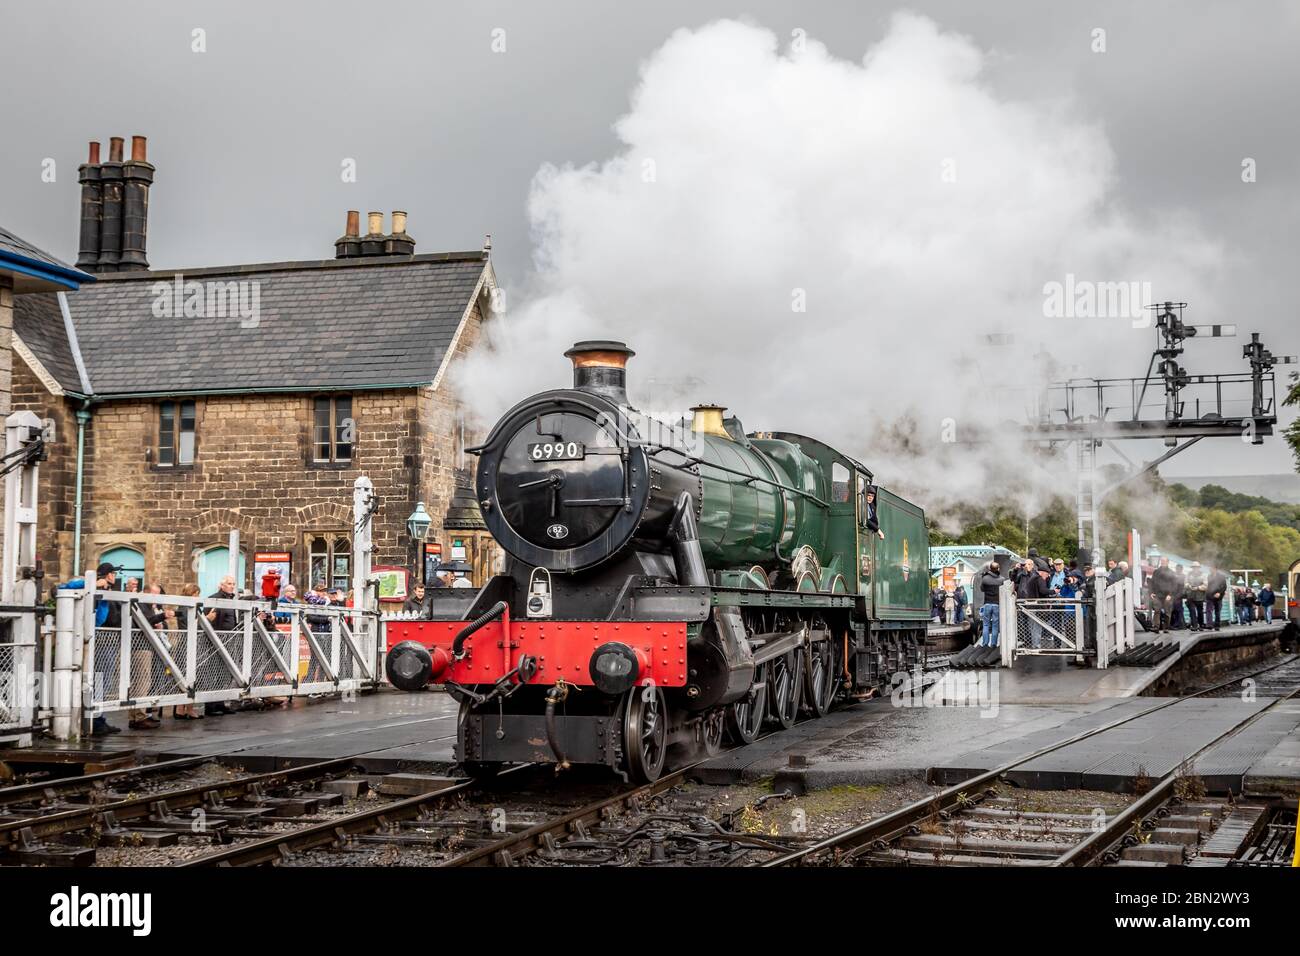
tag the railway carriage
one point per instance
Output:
(667, 584)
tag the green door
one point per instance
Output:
(130, 561)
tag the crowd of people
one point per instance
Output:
(1034, 577)
(1193, 598)
(1177, 598)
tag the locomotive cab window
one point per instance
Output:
(841, 483)
(863, 510)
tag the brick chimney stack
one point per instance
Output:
(115, 208)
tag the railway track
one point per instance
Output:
(976, 823)
(216, 811)
(1275, 680)
(458, 827)
(273, 818)
(41, 797)
(22, 799)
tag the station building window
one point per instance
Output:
(176, 433)
(333, 429)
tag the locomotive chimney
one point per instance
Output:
(600, 366)
(707, 420)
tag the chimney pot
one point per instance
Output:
(376, 223)
(348, 245)
(93, 160)
(139, 149)
(115, 144)
(399, 243)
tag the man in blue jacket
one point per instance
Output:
(108, 614)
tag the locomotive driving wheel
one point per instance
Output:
(645, 733)
(820, 676)
(745, 716)
(785, 678)
(713, 727)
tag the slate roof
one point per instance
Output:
(21, 247)
(38, 321)
(333, 324)
(37, 270)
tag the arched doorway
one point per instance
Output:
(214, 564)
(130, 560)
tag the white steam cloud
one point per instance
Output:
(825, 246)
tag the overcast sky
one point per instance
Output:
(250, 136)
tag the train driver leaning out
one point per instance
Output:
(872, 519)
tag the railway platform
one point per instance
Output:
(390, 731)
(1047, 680)
(977, 720)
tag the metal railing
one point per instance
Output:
(1073, 626)
(206, 650)
(1118, 621)
(19, 680)
(1053, 625)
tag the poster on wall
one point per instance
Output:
(432, 560)
(393, 584)
(458, 550)
(950, 578)
(271, 572)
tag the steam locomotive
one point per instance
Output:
(667, 584)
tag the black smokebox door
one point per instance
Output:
(562, 502)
